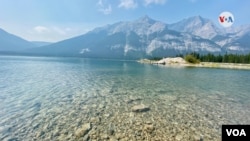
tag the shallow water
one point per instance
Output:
(45, 98)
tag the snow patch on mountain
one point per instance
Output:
(84, 50)
(117, 46)
(235, 48)
(128, 48)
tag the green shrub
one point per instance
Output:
(191, 59)
(155, 58)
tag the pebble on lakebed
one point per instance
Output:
(140, 108)
(83, 130)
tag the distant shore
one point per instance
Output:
(178, 61)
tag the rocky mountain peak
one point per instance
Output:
(197, 25)
(146, 19)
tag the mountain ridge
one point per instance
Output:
(10, 42)
(197, 25)
(145, 37)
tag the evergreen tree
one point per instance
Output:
(226, 58)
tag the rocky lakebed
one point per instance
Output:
(97, 100)
(121, 116)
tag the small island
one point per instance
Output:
(191, 60)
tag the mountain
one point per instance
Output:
(232, 40)
(197, 26)
(239, 40)
(142, 26)
(40, 43)
(141, 38)
(12, 43)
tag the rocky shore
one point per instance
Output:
(178, 61)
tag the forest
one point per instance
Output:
(226, 58)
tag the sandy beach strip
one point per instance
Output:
(180, 63)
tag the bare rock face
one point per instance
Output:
(140, 108)
(176, 60)
(83, 130)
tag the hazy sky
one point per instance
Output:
(54, 20)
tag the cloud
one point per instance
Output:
(41, 29)
(127, 4)
(148, 2)
(52, 33)
(60, 30)
(131, 4)
(47, 30)
(100, 3)
(106, 11)
(102, 7)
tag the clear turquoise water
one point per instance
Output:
(45, 98)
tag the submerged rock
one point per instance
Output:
(133, 100)
(140, 108)
(95, 120)
(149, 128)
(178, 137)
(104, 136)
(83, 130)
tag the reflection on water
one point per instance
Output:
(86, 99)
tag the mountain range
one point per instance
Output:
(141, 38)
(12, 43)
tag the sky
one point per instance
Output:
(55, 20)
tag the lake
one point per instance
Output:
(50, 98)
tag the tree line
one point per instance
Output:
(226, 58)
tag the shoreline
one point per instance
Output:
(199, 65)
